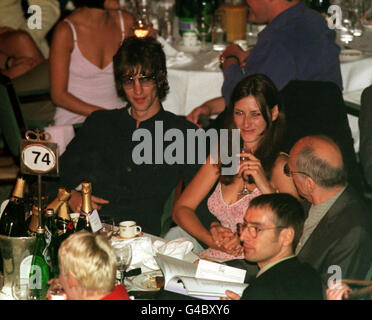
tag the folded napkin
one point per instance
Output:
(167, 48)
(179, 59)
(214, 65)
(174, 57)
(144, 251)
(62, 135)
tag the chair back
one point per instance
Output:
(318, 108)
(365, 146)
(12, 123)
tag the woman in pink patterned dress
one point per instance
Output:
(255, 109)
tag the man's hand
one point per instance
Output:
(193, 116)
(76, 201)
(230, 295)
(340, 292)
(225, 239)
(237, 51)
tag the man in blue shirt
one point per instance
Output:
(296, 44)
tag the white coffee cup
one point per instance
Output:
(190, 39)
(129, 229)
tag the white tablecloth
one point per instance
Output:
(191, 84)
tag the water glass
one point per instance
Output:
(123, 259)
(108, 226)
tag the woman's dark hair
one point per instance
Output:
(98, 4)
(287, 210)
(267, 97)
(141, 55)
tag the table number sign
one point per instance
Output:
(39, 157)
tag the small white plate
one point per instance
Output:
(367, 26)
(139, 281)
(347, 55)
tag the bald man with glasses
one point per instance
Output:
(337, 233)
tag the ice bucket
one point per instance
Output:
(17, 255)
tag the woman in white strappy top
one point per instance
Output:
(81, 68)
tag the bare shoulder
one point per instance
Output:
(63, 34)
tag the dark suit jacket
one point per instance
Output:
(287, 280)
(343, 238)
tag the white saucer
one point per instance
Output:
(194, 49)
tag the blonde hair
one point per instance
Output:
(90, 259)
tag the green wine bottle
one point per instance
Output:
(186, 11)
(52, 242)
(39, 273)
(12, 221)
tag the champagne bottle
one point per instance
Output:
(33, 221)
(52, 242)
(39, 273)
(63, 195)
(12, 221)
(86, 207)
(65, 226)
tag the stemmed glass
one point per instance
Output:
(123, 259)
(203, 30)
(108, 226)
(248, 179)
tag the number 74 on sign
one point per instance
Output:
(39, 157)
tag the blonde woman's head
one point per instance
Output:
(89, 259)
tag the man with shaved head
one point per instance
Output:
(336, 239)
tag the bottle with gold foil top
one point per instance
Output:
(12, 221)
(65, 226)
(33, 221)
(63, 195)
(86, 207)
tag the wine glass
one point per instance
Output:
(108, 226)
(123, 259)
(203, 30)
(247, 179)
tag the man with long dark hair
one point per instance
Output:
(103, 150)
